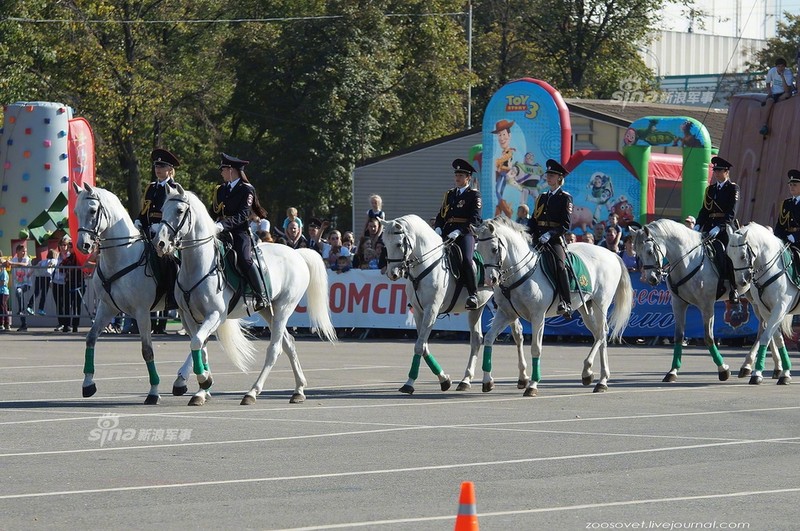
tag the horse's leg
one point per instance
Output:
(679, 308)
(200, 357)
(537, 329)
(475, 340)
(179, 386)
(421, 351)
(103, 317)
(723, 370)
(770, 332)
(299, 378)
(522, 365)
(780, 356)
(595, 321)
(746, 369)
(143, 321)
(499, 323)
(277, 326)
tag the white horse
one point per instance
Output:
(761, 263)
(691, 278)
(522, 289)
(416, 252)
(123, 278)
(210, 303)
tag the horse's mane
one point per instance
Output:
(508, 225)
(415, 223)
(109, 200)
(664, 228)
(761, 232)
(202, 216)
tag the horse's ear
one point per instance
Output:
(180, 189)
(76, 187)
(491, 228)
(397, 226)
(87, 187)
(633, 225)
(646, 231)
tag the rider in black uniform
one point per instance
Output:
(233, 203)
(164, 164)
(788, 226)
(551, 220)
(719, 211)
(459, 214)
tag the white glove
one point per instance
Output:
(219, 226)
(790, 238)
(697, 227)
(438, 231)
(138, 224)
(713, 232)
(544, 238)
(455, 234)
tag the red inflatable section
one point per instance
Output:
(81, 169)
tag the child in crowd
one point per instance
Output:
(291, 215)
(343, 264)
(375, 212)
(5, 317)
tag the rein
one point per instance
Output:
(515, 268)
(662, 271)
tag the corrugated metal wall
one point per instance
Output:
(674, 53)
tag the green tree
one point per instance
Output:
(785, 44)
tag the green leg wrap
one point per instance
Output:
(715, 355)
(151, 370)
(197, 361)
(487, 359)
(413, 373)
(433, 364)
(205, 366)
(760, 357)
(88, 361)
(677, 352)
(787, 364)
(536, 375)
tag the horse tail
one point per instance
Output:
(623, 303)
(786, 326)
(236, 344)
(317, 295)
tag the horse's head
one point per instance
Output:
(650, 253)
(93, 218)
(176, 221)
(398, 248)
(488, 245)
(742, 257)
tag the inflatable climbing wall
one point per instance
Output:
(42, 149)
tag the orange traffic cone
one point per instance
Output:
(467, 519)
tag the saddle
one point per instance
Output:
(577, 273)
(233, 275)
(165, 272)
(720, 262)
(791, 262)
(453, 258)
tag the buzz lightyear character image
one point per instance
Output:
(601, 190)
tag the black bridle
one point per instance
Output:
(94, 232)
(509, 272)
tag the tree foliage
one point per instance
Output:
(786, 44)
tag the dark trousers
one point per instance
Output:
(40, 291)
(68, 305)
(558, 255)
(466, 242)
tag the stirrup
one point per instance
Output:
(564, 309)
(471, 303)
(259, 303)
(733, 296)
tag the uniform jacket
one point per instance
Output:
(232, 207)
(153, 201)
(719, 206)
(552, 213)
(788, 220)
(459, 211)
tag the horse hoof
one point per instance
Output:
(522, 384)
(445, 385)
(152, 400)
(463, 386)
(89, 390)
(407, 389)
(587, 380)
(247, 400)
(784, 380)
(197, 401)
(179, 390)
(776, 374)
(671, 377)
(744, 372)
(530, 391)
(207, 384)
(724, 375)
(297, 398)
(755, 380)
(600, 388)
(487, 386)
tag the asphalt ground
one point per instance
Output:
(696, 454)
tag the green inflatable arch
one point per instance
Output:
(673, 131)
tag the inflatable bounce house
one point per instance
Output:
(527, 122)
(43, 148)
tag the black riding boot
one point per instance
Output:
(564, 307)
(259, 293)
(472, 287)
(733, 295)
